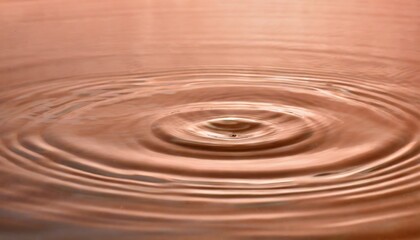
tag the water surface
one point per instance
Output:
(210, 119)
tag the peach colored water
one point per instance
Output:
(197, 119)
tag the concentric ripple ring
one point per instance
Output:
(161, 145)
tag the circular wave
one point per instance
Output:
(294, 154)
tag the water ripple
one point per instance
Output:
(297, 154)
